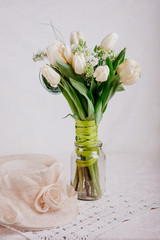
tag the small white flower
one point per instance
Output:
(90, 57)
(50, 74)
(75, 37)
(129, 72)
(55, 52)
(79, 63)
(101, 73)
(68, 54)
(109, 41)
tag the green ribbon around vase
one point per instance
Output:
(87, 150)
(86, 142)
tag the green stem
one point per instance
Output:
(86, 181)
(94, 180)
(75, 179)
(80, 180)
(92, 189)
(97, 173)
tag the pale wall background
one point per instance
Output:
(31, 119)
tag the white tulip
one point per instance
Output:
(101, 73)
(109, 41)
(75, 37)
(68, 54)
(50, 74)
(79, 63)
(129, 72)
(55, 52)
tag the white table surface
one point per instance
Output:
(138, 175)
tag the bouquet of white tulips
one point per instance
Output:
(88, 79)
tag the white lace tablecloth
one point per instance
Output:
(130, 211)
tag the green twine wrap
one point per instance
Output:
(86, 138)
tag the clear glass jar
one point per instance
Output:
(88, 171)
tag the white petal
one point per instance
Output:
(109, 41)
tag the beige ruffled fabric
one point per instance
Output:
(33, 192)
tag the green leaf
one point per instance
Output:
(120, 88)
(70, 115)
(93, 90)
(93, 85)
(70, 102)
(86, 93)
(101, 88)
(106, 93)
(105, 108)
(48, 86)
(114, 87)
(72, 94)
(109, 64)
(95, 48)
(83, 101)
(119, 59)
(98, 111)
(109, 90)
(68, 72)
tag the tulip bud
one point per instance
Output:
(79, 63)
(109, 41)
(55, 52)
(75, 37)
(129, 72)
(50, 74)
(101, 73)
(68, 54)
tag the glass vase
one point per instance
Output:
(88, 162)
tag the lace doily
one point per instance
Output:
(96, 217)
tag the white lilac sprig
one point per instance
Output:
(93, 58)
(40, 56)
